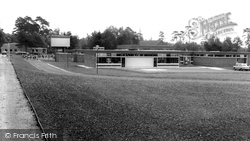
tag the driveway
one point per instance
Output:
(15, 111)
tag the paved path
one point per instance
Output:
(15, 112)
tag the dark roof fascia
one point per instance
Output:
(162, 51)
(59, 36)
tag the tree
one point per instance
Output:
(227, 44)
(127, 36)
(32, 33)
(180, 46)
(83, 43)
(95, 39)
(140, 36)
(74, 42)
(237, 43)
(192, 46)
(12, 37)
(2, 37)
(213, 44)
(109, 38)
(56, 31)
(161, 36)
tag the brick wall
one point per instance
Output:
(90, 59)
(80, 58)
(62, 57)
(214, 62)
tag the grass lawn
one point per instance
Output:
(88, 108)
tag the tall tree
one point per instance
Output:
(227, 44)
(237, 43)
(95, 39)
(74, 42)
(2, 37)
(12, 37)
(109, 38)
(192, 46)
(179, 46)
(32, 33)
(213, 44)
(127, 36)
(83, 43)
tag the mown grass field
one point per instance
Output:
(88, 108)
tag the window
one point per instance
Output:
(181, 58)
(130, 55)
(168, 60)
(15, 50)
(150, 54)
(10, 50)
(109, 60)
(162, 60)
(241, 60)
(219, 55)
(210, 55)
(228, 55)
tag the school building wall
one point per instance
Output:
(214, 62)
(90, 59)
(62, 57)
(79, 58)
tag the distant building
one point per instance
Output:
(19, 49)
(13, 48)
(37, 50)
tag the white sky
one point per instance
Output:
(82, 17)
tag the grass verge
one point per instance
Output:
(114, 109)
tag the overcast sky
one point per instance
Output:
(82, 17)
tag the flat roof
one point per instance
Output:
(158, 51)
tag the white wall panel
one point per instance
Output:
(139, 62)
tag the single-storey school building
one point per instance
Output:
(162, 58)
